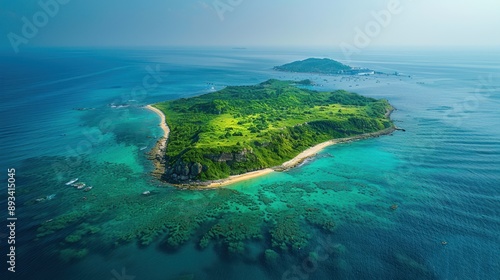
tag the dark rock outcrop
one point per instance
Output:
(228, 157)
(182, 172)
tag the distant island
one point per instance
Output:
(323, 66)
(241, 132)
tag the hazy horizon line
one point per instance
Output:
(281, 47)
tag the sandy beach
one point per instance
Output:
(163, 123)
(238, 178)
(316, 149)
(312, 151)
(287, 165)
(158, 152)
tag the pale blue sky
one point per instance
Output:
(325, 23)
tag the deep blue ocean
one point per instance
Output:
(419, 204)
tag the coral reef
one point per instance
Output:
(319, 218)
(59, 223)
(233, 230)
(69, 255)
(271, 257)
(282, 217)
(286, 233)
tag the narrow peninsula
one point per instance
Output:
(242, 132)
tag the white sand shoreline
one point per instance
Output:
(157, 154)
(163, 123)
(237, 178)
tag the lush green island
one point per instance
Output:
(242, 129)
(323, 66)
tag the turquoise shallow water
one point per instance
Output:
(330, 218)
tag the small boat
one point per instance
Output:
(71, 182)
(79, 186)
(146, 193)
(87, 188)
(144, 148)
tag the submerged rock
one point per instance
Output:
(69, 255)
(271, 256)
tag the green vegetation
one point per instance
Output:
(321, 66)
(245, 128)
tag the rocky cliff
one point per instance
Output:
(182, 172)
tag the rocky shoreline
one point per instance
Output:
(157, 156)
